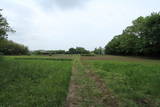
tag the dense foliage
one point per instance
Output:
(11, 48)
(98, 51)
(78, 50)
(141, 38)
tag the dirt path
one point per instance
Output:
(87, 89)
(73, 98)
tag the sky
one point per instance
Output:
(62, 24)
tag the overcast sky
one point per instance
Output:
(61, 24)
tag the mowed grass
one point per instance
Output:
(136, 84)
(41, 83)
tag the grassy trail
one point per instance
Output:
(87, 90)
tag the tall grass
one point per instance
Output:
(42, 83)
(136, 84)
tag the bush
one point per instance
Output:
(11, 48)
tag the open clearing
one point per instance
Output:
(74, 81)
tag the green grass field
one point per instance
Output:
(136, 84)
(97, 81)
(41, 83)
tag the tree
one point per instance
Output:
(81, 50)
(72, 51)
(113, 46)
(11, 48)
(99, 51)
(4, 27)
(78, 50)
(141, 38)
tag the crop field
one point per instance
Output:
(32, 82)
(79, 81)
(134, 81)
(79, 53)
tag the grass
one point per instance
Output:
(43, 81)
(69, 57)
(122, 58)
(55, 59)
(86, 93)
(34, 82)
(136, 84)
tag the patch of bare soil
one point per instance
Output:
(73, 98)
(116, 58)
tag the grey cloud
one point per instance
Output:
(64, 4)
(92, 26)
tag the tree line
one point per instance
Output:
(141, 38)
(8, 47)
(77, 50)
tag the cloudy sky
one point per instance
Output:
(61, 24)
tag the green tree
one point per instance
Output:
(113, 46)
(78, 50)
(4, 27)
(11, 48)
(99, 51)
(81, 50)
(141, 38)
(72, 51)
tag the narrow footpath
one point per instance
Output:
(87, 89)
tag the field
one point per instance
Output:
(33, 82)
(79, 81)
(134, 81)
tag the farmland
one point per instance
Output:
(32, 82)
(135, 81)
(79, 53)
(79, 81)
